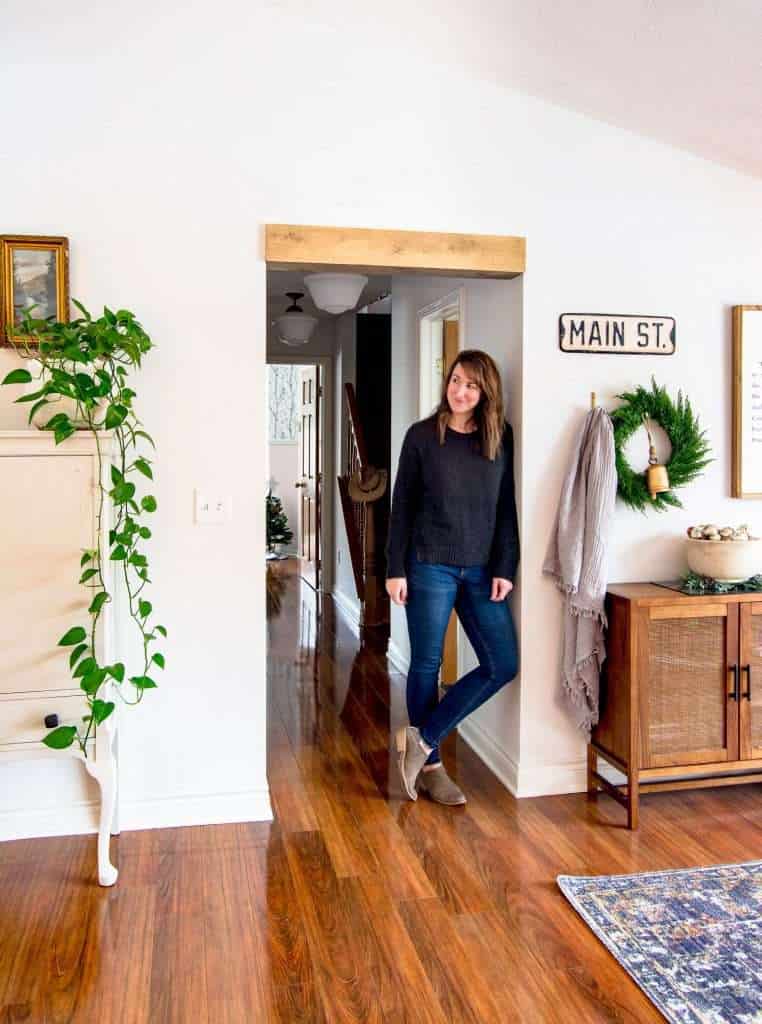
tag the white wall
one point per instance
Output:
(163, 181)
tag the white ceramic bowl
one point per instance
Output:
(728, 561)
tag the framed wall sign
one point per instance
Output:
(616, 333)
(747, 402)
(34, 271)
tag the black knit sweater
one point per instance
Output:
(450, 504)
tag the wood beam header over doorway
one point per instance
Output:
(376, 251)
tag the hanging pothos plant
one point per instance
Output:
(88, 361)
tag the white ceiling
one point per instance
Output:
(281, 281)
(687, 72)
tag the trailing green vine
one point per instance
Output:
(88, 360)
(690, 449)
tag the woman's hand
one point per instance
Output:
(500, 588)
(396, 588)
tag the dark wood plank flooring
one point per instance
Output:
(353, 905)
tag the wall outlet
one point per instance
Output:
(213, 508)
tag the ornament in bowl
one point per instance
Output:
(727, 554)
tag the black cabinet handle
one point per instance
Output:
(51, 721)
(736, 692)
(747, 670)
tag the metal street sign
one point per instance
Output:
(611, 333)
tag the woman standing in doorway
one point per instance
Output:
(453, 543)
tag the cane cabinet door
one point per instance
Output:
(750, 703)
(689, 685)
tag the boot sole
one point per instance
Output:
(401, 743)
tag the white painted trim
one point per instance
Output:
(350, 608)
(552, 779)
(397, 657)
(163, 812)
(496, 759)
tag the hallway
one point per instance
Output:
(353, 906)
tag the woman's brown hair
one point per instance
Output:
(488, 414)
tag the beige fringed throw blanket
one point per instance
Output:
(577, 558)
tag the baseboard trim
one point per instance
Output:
(162, 812)
(552, 779)
(350, 608)
(496, 759)
(397, 657)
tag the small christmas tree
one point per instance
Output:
(277, 522)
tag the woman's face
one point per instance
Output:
(463, 393)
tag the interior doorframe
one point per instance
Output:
(327, 448)
(427, 318)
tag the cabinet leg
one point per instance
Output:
(592, 767)
(115, 826)
(633, 801)
(103, 770)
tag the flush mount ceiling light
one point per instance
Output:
(335, 293)
(295, 326)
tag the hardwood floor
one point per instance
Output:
(354, 905)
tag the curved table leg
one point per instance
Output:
(103, 770)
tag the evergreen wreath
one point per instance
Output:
(690, 449)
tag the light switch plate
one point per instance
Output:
(213, 508)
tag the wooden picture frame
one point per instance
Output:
(747, 402)
(34, 270)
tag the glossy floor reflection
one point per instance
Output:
(353, 905)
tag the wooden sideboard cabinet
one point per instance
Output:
(49, 504)
(681, 692)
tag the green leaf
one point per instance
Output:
(54, 421)
(123, 492)
(144, 468)
(116, 476)
(64, 431)
(160, 629)
(101, 710)
(93, 680)
(137, 559)
(36, 408)
(119, 553)
(60, 738)
(85, 667)
(159, 659)
(142, 433)
(18, 377)
(117, 671)
(74, 636)
(143, 682)
(148, 503)
(76, 654)
(86, 557)
(144, 532)
(145, 609)
(115, 415)
(98, 602)
(88, 575)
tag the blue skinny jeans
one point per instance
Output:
(433, 590)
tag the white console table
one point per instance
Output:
(49, 500)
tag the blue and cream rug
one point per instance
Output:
(692, 939)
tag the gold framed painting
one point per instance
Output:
(747, 402)
(34, 271)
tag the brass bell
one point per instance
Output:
(657, 478)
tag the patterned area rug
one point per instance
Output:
(692, 939)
